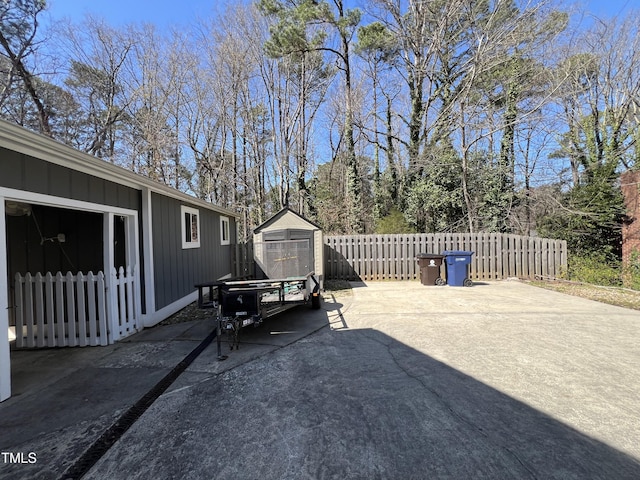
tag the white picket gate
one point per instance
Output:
(74, 310)
(126, 310)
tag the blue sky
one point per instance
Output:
(609, 8)
(164, 13)
(119, 12)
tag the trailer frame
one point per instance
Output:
(242, 303)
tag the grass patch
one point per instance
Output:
(613, 296)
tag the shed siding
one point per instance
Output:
(177, 270)
(289, 226)
(23, 172)
(289, 220)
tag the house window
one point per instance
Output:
(225, 235)
(190, 227)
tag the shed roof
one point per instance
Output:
(282, 213)
(19, 139)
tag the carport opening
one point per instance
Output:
(43, 239)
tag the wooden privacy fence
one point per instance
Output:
(393, 257)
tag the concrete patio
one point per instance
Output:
(397, 380)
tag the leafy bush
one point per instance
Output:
(631, 272)
(598, 269)
(394, 223)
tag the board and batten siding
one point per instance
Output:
(177, 270)
(23, 172)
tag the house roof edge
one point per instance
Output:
(19, 139)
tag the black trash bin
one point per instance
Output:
(430, 264)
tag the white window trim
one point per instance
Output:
(183, 228)
(224, 241)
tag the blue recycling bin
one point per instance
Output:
(457, 262)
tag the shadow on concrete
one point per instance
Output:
(425, 419)
(356, 404)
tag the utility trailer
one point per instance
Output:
(241, 303)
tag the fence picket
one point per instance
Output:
(71, 313)
(102, 310)
(129, 291)
(91, 304)
(39, 331)
(59, 313)
(49, 311)
(82, 321)
(28, 288)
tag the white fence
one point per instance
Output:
(126, 306)
(74, 310)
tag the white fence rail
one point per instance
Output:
(60, 310)
(74, 310)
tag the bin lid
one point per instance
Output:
(428, 255)
(452, 253)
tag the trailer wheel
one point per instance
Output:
(315, 301)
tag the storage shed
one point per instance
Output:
(288, 245)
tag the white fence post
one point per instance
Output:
(102, 309)
(19, 312)
(112, 305)
(28, 291)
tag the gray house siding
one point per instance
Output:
(177, 270)
(23, 172)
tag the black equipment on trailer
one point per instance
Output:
(240, 303)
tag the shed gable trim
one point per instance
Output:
(282, 213)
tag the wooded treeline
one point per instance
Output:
(387, 116)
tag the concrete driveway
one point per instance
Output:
(502, 380)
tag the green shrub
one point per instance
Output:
(631, 271)
(600, 269)
(394, 222)
(596, 269)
